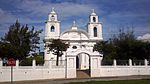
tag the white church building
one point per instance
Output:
(78, 59)
(81, 42)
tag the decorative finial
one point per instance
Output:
(53, 8)
(74, 27)
(93, 10)
(74, 23)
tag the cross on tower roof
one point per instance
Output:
(74, 27)
(93, 10)
(74, 23)
(53, 8)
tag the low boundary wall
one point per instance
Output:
(51, 71)
(33, 72)
(125, 70)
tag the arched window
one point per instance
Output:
(94, 19)
(52, 15)
(95, 31)
(52, 29)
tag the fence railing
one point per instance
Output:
(138, 62)
(33, 64)
(62, 63)
(125, 62)
(107, 62)
(122, 62)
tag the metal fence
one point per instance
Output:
(138, 62)
(107, 62)
(122, 62)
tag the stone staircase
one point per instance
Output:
(83, 74)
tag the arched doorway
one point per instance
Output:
(83, 65)
(73, 64)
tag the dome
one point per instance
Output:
(74, 34)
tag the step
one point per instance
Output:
(83, 74)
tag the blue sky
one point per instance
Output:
(114, 14)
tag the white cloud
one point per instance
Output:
(65, 9)
(6, 17)
(145, 37)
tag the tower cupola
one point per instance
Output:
(93, 17)
(94, 27)
(52, 26)
(52, 16)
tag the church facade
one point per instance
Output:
(81, 42)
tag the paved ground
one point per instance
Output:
(62, 81)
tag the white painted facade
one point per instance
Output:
(77, 38)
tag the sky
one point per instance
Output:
(113, 14)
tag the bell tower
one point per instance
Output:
(52, 26)
(94, 28)
(52, 31)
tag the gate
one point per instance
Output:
(94, 62)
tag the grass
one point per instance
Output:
(115, 82)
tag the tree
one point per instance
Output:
(57, 47)
(124, 46)
(28, 61)
(19, 41)
(106, 48)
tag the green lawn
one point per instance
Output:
(115, 82)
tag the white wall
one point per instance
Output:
(22, 73)
(33, 72)
(51, 71)
(108, 71)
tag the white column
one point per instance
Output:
(17, 63)
(146, 62)
(114, 62)
(95, 66)
(71, 67)
(1, 63)
(33, 63)
(130, 62)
